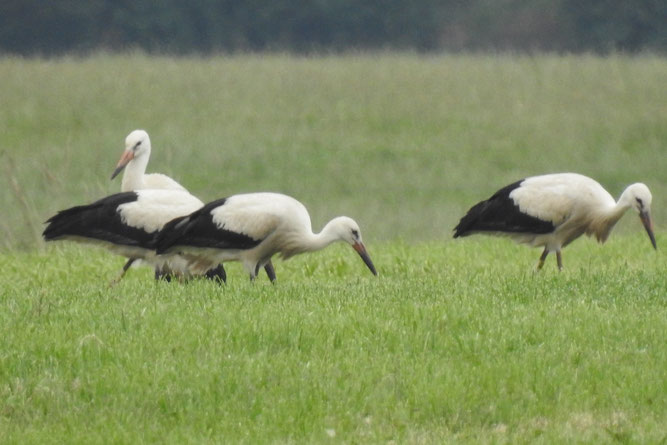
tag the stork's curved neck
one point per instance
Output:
(616, 213)
(133, 177)
(622, 205)
(318, 241)
(304, 240)
(602, 226)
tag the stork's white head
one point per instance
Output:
(638, 196)
(346, 229)
(139, 142)
(137, 145)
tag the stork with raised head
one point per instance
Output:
(126, 223)
(553, 210)
(251, 228)
(134, 161)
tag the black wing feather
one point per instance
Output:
(499, 213)
(98, 221)
(198, 230)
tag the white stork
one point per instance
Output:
(251, 228)
(554, 210)
(135, 160)
(126, 223)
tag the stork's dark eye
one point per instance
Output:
(640, 202)
(355, 233)
(137, 145)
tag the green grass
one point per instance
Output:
(455, 341)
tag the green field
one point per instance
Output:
(455, 341)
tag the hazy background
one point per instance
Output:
(205, 26)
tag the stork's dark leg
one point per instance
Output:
(122, 273)
(127, 265)
(543, 257)
(268, 267)
(559, 259)
(218, 274)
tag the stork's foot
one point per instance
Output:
(559, 260)
(116, 280)
(122, 273)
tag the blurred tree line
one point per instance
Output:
(201, 26)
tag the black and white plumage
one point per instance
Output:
(251, 228)
(553, 210)
(134, 161)
(126, 223)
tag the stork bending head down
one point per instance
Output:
(553, 210)
(251, 228)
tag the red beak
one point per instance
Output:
(127, 156)
(645, 216)
(361, 250)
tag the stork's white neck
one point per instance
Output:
(622, 205)
(623, 202)
(328, 235)
(310, 242)
(133, 177)
(603, 225)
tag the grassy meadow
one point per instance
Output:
(455, 341)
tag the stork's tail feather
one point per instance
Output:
(98, 221)
(500, 213)
(65, 222)
(471, 219)
(487, 215)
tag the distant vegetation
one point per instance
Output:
(204, 26)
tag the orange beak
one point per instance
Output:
(361, 250)
(127, 156)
